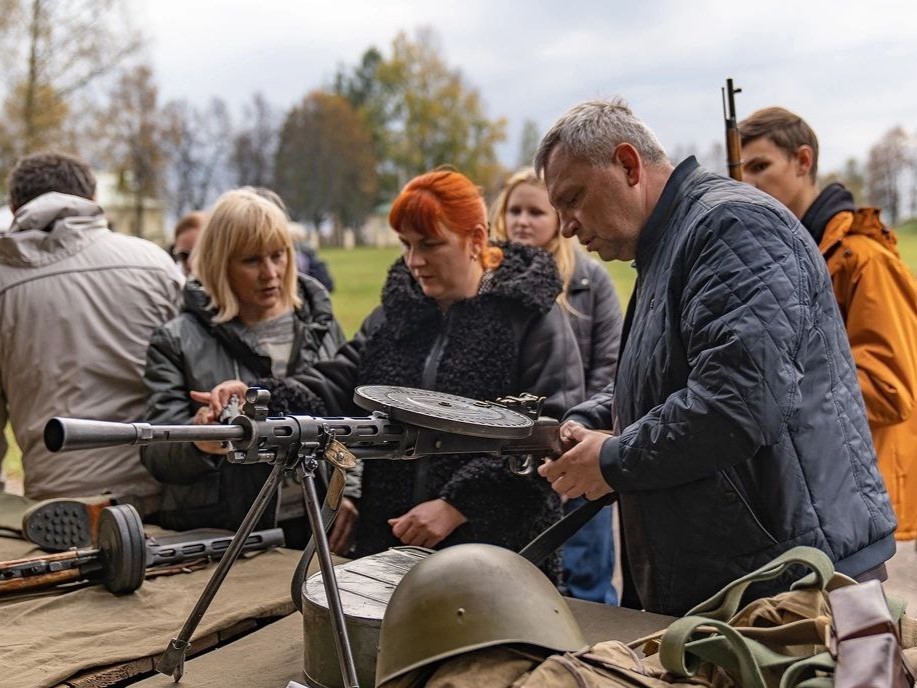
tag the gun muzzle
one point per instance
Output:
(67, 434)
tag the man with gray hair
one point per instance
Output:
(738, 428)
(78, 304)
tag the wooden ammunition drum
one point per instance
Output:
(365, 588)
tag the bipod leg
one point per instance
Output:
(172, 661)
(336, 610)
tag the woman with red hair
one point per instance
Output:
(461, 316)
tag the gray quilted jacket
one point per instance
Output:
(742, 427)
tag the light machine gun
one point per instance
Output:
(404, 423)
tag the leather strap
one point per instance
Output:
(545, 544)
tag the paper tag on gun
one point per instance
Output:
(338, 455)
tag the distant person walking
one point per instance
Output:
(875, 290)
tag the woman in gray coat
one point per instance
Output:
(523, 214)
(247, 317)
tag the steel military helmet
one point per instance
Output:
(468, 597)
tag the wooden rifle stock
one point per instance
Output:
(733, 142)
(32, 573)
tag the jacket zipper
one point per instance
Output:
(427, 381)
(748, 507)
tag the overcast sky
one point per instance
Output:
(849, 68)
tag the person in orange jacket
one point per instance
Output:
(875, 290)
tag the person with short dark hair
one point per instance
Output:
(78, 304)
(35, 175)
(738, 430)
(876, 291)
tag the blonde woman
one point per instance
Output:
(247, 317)
(523, 214)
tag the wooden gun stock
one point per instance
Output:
(733, 142)
(45, 571)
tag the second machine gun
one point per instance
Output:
(405, 423)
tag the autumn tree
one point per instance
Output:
(133, 141)
(197, 141)
(254, 145)
(889, 159)
(423, 113)
(53, 50)
(373, 99)
(325, 168)
(851, 176)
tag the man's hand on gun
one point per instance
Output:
(577, 473)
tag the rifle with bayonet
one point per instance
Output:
(404, 424)
(124, 556)
(733, 142)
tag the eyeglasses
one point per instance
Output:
(181, 256)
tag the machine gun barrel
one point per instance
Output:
(372, 437)
(415, 432)
(67, 434)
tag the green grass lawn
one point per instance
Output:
(359, 274)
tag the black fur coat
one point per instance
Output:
(510, 338)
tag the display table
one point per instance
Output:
(89, 637)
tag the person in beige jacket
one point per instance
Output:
(78, 303)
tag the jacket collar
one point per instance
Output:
(527, 276)
(669, 199)
(862, 221)
(833, 199)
